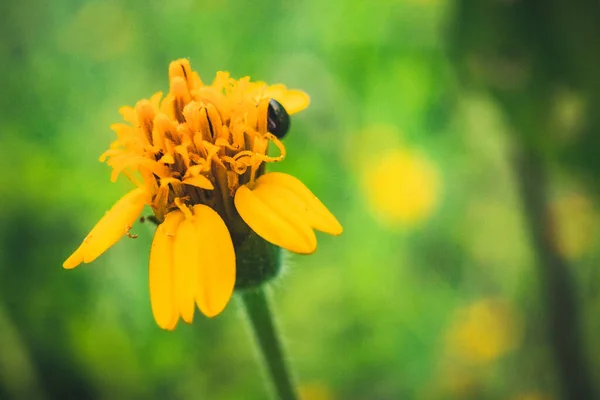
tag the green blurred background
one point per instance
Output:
(457, 142)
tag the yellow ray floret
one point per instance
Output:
(319, 216)
(284, 212)
(216, 279)
(114, 225)
(275, 225)
(162, 272)
(186, 262)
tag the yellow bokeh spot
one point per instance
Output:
(402, 187)
(315, 391)
(458, 381)
(576, 224)
(482, 332)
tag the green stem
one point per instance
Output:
(562, 305)
(257, 307)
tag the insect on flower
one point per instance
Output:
(197, 158)
(278, 120)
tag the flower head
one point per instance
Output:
(402, 186)
(483, 331)
(197, 157)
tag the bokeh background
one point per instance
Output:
(456, 141)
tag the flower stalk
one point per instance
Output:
(563, 311)
(260, 317)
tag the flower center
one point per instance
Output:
(197, 145)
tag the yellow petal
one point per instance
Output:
(325, 221)
(75, 259)
(186, 258)
(114, 224)
(283, 199)
(181, 68)
(275, 223)
(214, 119)
(199, 181)
(274, 91)
(109, 229)
(162, 274)
(129, 115)
(216, 271)
(293, 100)
(286, 204)
(167, 159)
(155, 100)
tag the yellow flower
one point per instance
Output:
(315, 391)
(198, 159)
(402, 186)
(483, 331)
(576, 219)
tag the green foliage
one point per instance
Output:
(371, 314)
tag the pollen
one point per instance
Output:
(129, 234)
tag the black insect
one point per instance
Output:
(278, 120)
